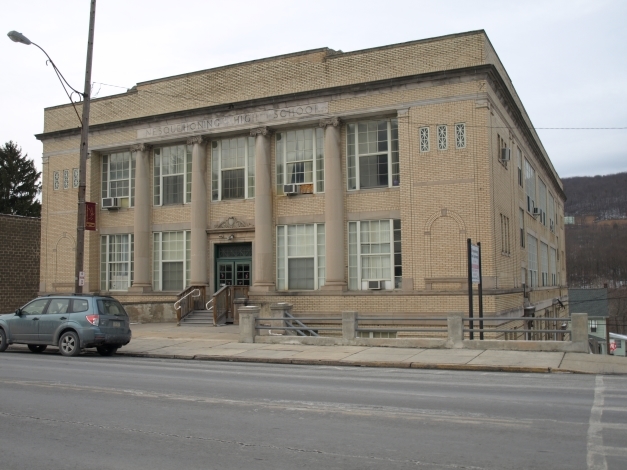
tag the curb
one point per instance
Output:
(390, 364)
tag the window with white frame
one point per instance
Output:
(505, 245)
(442, 137)
(172, 175)
(171, 261)
(520, 171)
(532, 261)
(521, 224)
(530, 186)
(374, 254)
(425, 144)
(594, 325)
(551, 211)
(553, 266)
(544, 263)
(460, 135)
(55, 180)
(116, 262)
(300, 159)
(66, 179)
(300, 257)
(118, 177)
(542, 201)
(233, 168)
(372, 154)
(75, 178)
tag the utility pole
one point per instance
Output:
(79, 274)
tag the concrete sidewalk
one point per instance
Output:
(166, 340)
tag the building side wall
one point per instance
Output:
(20, 241)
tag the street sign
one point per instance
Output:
(81, 275)
(474, 262)
(81, 282)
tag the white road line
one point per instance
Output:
(596, 450)
(615, 451)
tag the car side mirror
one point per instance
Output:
(18, 312)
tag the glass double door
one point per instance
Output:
(233, 273)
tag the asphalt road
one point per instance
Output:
(131, 413)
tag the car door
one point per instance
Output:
(25, 326)
(56, 315)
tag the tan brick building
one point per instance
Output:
(394, 156)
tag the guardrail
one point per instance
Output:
(253, 329)
(531, 334)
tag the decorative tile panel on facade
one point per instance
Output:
(331, 181)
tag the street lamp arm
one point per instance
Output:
(57, 70)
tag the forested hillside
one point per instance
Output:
(602, 196)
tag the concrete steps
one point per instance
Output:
(198, 318)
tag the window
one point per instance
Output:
(75, 178)
(520, 172)
(372, 154)
(502, 145)
(442, 138)
(233, 168)
(460, 135)
(532, 261)
(66, 179)
(424, 139)
(530, 186)
(374, 254)
(505, 246)
(300, 159)
(118, 177)
(172, 175)
(544, 263)
(171, 261)
(55, 180)
(594, 325)
(116, 262)
(521, 221)
(551, 211)
(58, 306)
(300, 257)
(542, 201)
(553, 267)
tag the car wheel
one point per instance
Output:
(69, 344)
(107, 350)
(3, 341)
(37, 348)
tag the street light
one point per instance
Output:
(80, 228)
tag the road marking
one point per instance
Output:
(596, 450)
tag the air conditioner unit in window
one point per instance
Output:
(537, 211)
(111, 203)
(291, 189)
(375, 285)
(552, 225)
(506, 155)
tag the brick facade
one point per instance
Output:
(445, 195)
(20, 239)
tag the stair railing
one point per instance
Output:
(188, 301)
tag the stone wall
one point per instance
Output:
(20, 239)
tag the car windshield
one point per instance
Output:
(111, 307)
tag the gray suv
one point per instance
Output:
(71, 321)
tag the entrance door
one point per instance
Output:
(233, 265)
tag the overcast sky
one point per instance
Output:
(567, 59)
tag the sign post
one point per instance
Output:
(474, 276)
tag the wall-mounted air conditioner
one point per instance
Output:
(111, 203)
(375, 285)
(537, 211)
(506, 155)
(552, 225)
(290, 189)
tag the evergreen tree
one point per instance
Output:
(19, 183)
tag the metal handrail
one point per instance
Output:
(506, 319)
(492, 330)
(209, 305)
(402, 318)
(402, 330)
(177, 304)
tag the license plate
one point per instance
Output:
(117, 324)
